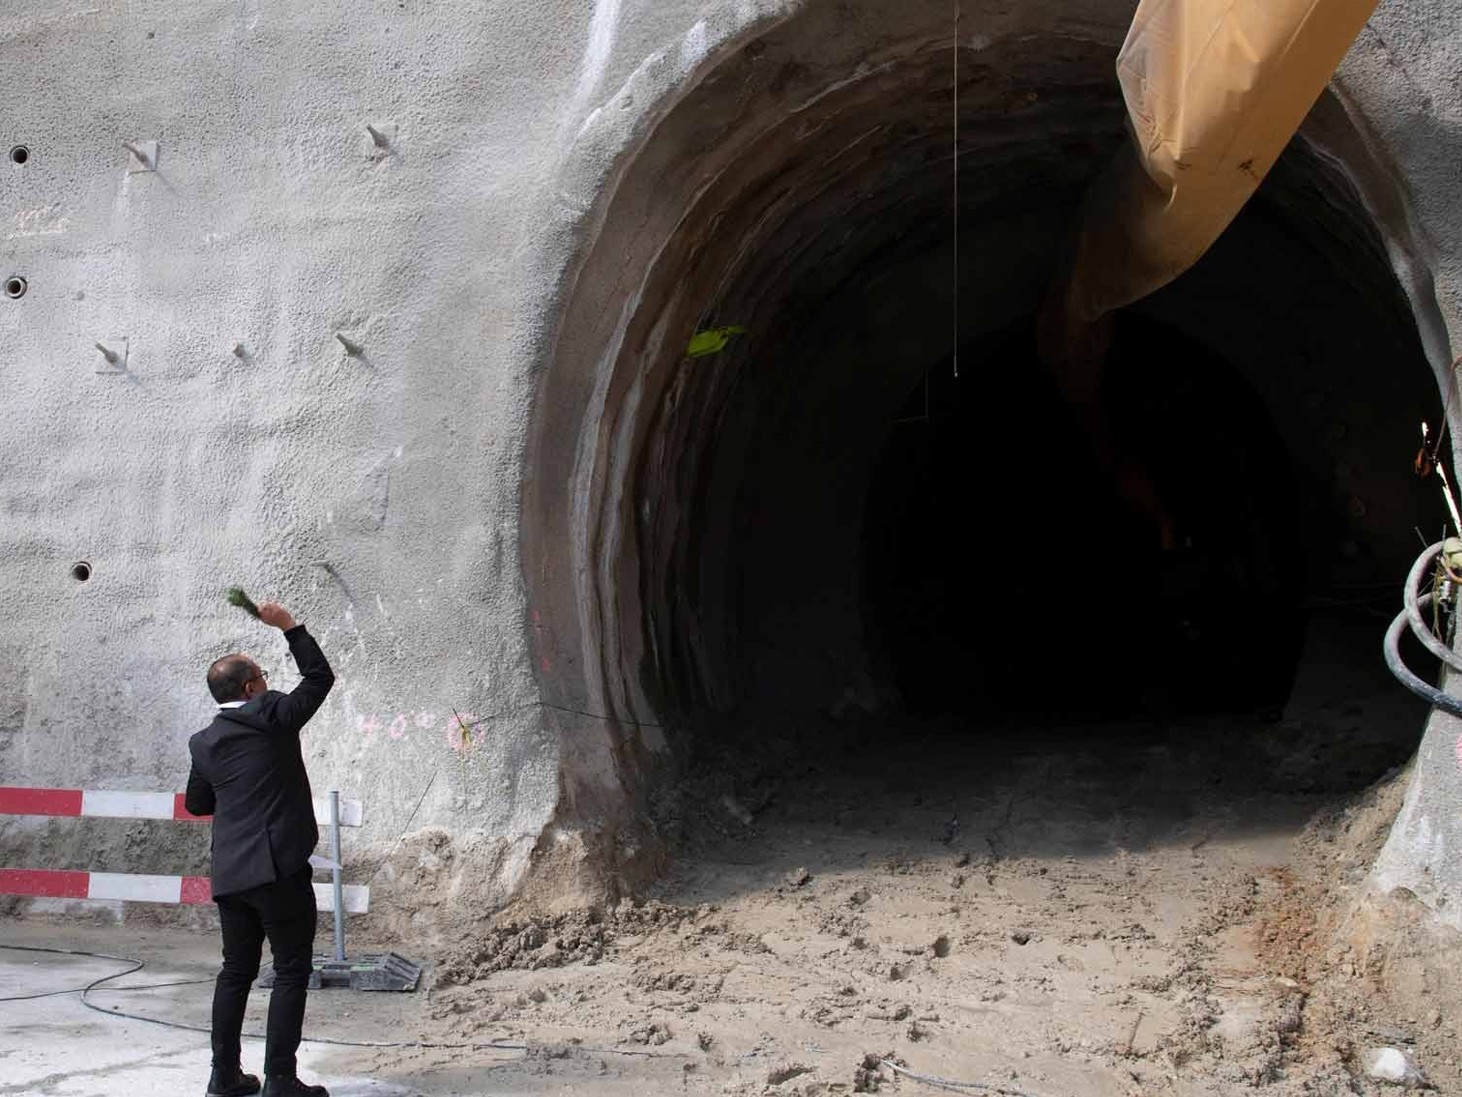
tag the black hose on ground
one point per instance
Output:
(137, 965)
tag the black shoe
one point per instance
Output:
(277, 1085)
(232, 1083)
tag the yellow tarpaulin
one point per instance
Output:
(1214, 91)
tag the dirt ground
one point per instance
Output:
(1094, 911)
(1059, 913)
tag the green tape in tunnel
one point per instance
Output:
(712, 340)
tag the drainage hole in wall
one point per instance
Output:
(15, 286)
(19, 154)
(81, 571)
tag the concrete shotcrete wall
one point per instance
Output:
(434, 503)
(236, 441)
(1400, 88)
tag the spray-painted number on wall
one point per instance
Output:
(460, 729)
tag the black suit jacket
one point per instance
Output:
(249, 774)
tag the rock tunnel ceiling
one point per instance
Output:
(736, 530)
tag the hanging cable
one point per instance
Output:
(955, 310)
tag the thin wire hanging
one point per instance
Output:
(955, 309)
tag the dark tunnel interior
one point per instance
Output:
(822, 521)
(896, 538)
(988, 506)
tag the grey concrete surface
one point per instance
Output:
(1421, 856)
(1396, 79)
(56, 1046)
(451, 508)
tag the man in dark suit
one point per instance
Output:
(249, 774)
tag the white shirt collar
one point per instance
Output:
(232, 704)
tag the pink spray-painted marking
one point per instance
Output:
(1459, 752)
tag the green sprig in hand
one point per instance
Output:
(237, 597)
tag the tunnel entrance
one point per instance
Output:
(995, 542)
(819, 526)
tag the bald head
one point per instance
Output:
(228, 676)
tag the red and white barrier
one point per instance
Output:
(43, 883)
(62, 884)
(109, 804)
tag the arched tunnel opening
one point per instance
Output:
(870, 515)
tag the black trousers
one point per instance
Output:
(283, 911)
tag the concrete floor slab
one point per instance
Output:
(58, 1046)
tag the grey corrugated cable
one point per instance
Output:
(1392, 647)
(1413, 609)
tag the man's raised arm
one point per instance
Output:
(316, 676)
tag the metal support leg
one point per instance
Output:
(335, 875)
(379, 971)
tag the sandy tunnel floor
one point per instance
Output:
(1099, 911)
(1095, 911)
